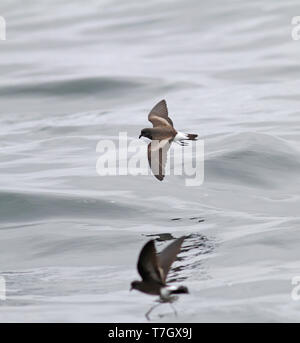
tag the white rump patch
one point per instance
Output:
(165, 292)
(180, 137)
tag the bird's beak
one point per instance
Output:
(140, 136)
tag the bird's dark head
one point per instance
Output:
(135, 285)
(146, 133)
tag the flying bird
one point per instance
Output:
(154, 268)
(162, 135)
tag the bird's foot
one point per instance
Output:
(182, 143)
(147, 314)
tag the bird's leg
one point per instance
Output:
(174, 309)
(151, 309)
(183, 143)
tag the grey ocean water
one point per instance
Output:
(73, 73)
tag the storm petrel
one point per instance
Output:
(154, 268)
(162, 135)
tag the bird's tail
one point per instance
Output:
(192, 137)
(179, 290)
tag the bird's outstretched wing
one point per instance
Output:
(168, 256)
(157, 156)
(159, 115)
(148, 266)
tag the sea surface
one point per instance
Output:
(74, 73)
